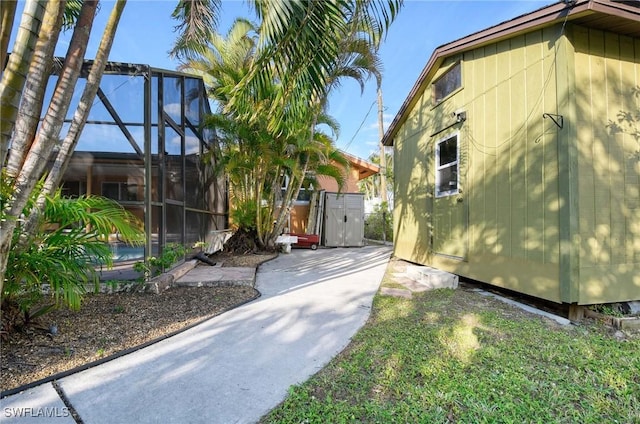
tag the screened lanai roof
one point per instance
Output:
(122, 107)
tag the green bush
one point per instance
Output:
(171, 254)
(57, 259)
(378, 223)
(243, 214)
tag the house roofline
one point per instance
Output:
(365, 168)
(540, 18)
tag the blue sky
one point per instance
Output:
(145, 34)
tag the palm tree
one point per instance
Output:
(31, 59)
(63, 248)
(298, 43)
(14, 77)
(371, 186)
(256, 158)
(299, 39)
(314, 154)
(357, 59)
(288, 147)
(246, 145)
(30, 151)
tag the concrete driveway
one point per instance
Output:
(232, 368)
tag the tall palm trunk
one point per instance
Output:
(41, 147)
(65, 151)
(15, 74)
(293, 190)
(30, 112)
(84, 107)
(288, 201)
(7, 15)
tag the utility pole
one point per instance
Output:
(383, 156)
(383, 169)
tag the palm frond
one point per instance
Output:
(197, 18)
(103, 216)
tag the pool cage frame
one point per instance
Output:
(181, 201)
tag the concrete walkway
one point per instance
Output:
(235, 367)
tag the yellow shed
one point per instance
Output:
(517, 155)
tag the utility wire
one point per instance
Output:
(361, 124)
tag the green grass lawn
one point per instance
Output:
(455, 356)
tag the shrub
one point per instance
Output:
(171, 253)
(58, 258)
(378, 223)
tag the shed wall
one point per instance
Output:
(506, 222)
(608, 80)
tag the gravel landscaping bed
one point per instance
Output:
(106, 324)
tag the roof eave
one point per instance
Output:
(537, 19)
(365, 168)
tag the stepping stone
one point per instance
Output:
(432, 278)
(213, 276)
(387, 291)
(411, 284)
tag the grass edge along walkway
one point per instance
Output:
(454, 356)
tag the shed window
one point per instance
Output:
(447, 158)
(447, 83)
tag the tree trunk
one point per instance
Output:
(84, 107)
(15, 74)
(46, 138)
(80, 116)
(287, 206)
(30, 112)
(7, 15)
(290, 197)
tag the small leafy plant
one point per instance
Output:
(171, 254)
(57, 258)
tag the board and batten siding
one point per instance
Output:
(607, 68)
(413, 186)
(508, 169)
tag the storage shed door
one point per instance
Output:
(344, 225)
(354, 223)
(334, 220)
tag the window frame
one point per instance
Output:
(123, 191)
(439, 168)
(457, 65)
(68, 190)
(297, 201)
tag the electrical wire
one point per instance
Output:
(361, 124)
(532, 108)
(480, 146)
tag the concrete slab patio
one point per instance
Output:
(235, 367)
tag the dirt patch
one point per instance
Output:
(110, 323)
(228, 259)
